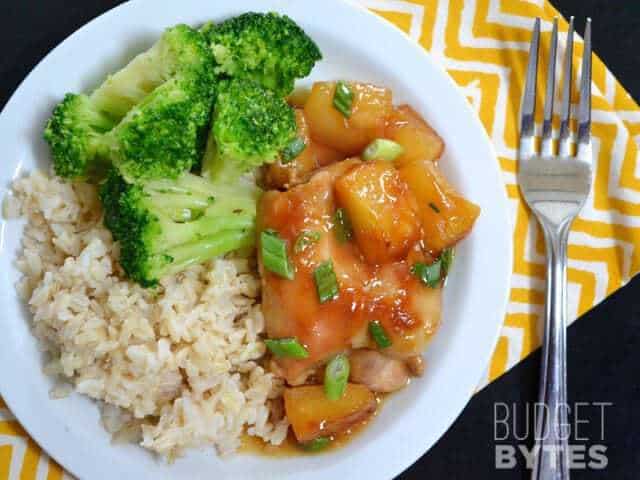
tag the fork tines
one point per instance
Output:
(527, 123)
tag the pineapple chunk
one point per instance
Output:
(446, 215)
(313, 415)
(371, 105)
(420, 142)
(382, 211)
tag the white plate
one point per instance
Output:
(357, 45)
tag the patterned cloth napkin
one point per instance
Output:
(483, 44)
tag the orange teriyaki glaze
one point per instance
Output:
(291, 447)
(389, 293)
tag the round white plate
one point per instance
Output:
(356, 45)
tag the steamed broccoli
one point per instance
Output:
(251, 125)
(149, 119)
(180, 49)
(269, 48)
(164, 226)
(74, 133)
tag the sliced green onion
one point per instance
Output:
(316, 444)
(326, 281)
(430, 275)
(274, 254)
(342, 225)
(336, 376)
(291, 151)
(379, 334)
(306, 238)
(286, 347)
(383, 149)
(434, 207)
(343, 98)
(447, 259)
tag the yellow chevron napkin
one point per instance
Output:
(483, 44)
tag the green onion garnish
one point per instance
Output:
(326, 281)
(382, 149)
(286, 347)
(306, 238)
(430, 275)
(336, 376)
(291, 151)
(434, 207)
(342, 225)
(447, 259)
(343, 98)
(274, 254)
(379, 334)
(316, 444)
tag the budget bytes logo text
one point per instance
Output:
(514, 429)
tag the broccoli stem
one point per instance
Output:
(197, 252)
(216, 168)
(184, 207)
(220, 170)
(199, 230)
(202, 187)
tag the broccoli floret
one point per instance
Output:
(180, 49)
(269, 48)
(149, 119)
(161, 136)
(75, 132)
(164, 226)
(250, 126)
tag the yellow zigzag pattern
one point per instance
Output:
(484, 45)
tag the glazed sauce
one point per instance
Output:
(290, 447)
(388, 293)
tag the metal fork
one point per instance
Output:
(555, 186)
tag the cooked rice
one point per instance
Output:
(174, 367)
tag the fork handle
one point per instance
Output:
(551, 461)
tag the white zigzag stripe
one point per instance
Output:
(43, 467)
(574, 291)
(611, 216)
(501, 102)
(531, 255)
(19, 446)
(514, 336)
(580, 238)
(526, 308)
(601, 274)
(495, 15)
(632, 116)
(466, 38)
(609, 86)
(513, 210)
(473, 92)
(619, 148)
(438, 44)
(416, 12)
(598, 268)
(525, 281)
